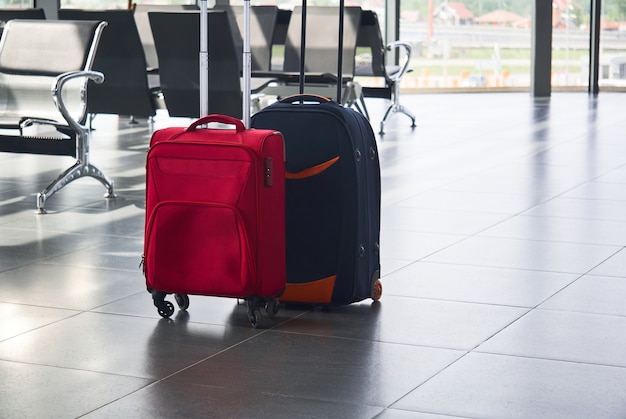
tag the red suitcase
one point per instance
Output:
(215, 215)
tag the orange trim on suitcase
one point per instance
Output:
(312, 171)
(319, 291)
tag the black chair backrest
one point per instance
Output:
(370, 36)
(8, 14)
(145, 32)
(282, 24)
(322, 40)
(121, 58)
(177, 42)
(262, 26)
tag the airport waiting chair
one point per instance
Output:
(45, 66)
(369, 35)
(322, 40)
(320, 56)
(145, 32)
(121, 58)
(147, 41)
(179, 65)
(262, 25)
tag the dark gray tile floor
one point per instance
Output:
(503, 246)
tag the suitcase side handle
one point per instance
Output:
(223, 119)
(305, 98)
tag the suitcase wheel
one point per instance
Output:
(166, 309)
(256, 317)
(271, 307)
(377, 290)
(257, 305)
(182, 300)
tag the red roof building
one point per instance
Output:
(502, 18)
(453, 14)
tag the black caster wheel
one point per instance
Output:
(182, 300)
(166, 309)
(271, 307)
(255, 317)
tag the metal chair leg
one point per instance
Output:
(81, 168)
(394, 108)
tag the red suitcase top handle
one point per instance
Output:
(224, 119)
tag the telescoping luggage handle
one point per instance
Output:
(303, 49)
(204, 58)
(247, 65)
(204, 62)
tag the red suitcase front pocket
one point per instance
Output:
(199, 248)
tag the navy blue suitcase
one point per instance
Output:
(332, 193)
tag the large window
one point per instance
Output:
(612, 45)
(571, 37)
(570, 44)
(470, 44)
(486, 43)
(17, 4)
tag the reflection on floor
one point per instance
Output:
(504, 274)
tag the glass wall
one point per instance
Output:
(570, 44)
(485, 44)
(571, 37)
(471, 44)
(612, 45)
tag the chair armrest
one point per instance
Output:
(406, 49)
(57, 94)
(28, 121)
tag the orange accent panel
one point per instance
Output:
(311, 171)
(320, 291)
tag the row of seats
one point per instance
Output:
(272, 26)
(120, 57)
(45, 66)
(153, 50)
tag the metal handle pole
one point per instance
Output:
(247, 65)
(204, 59)
(340, 54)
(302, 47)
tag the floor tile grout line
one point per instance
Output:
(567, 361)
